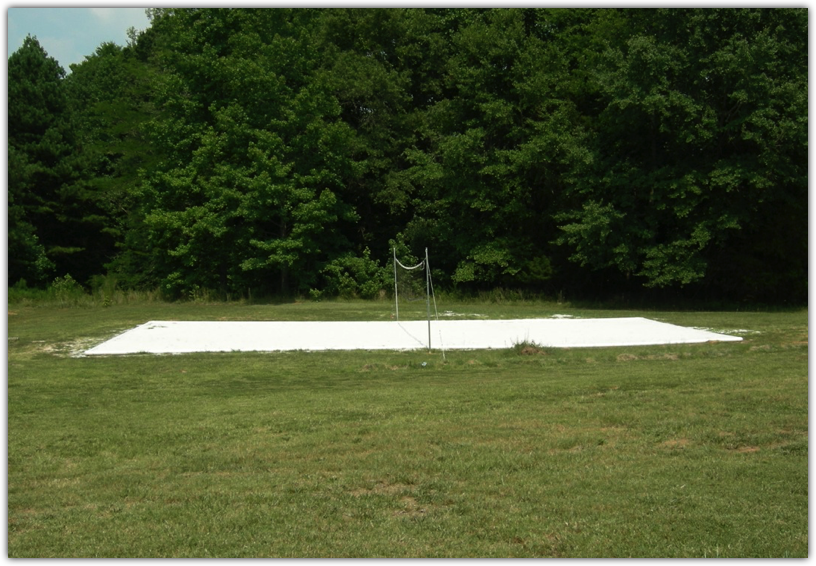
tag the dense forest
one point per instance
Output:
(591, 152)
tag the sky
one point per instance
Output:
(70, 34)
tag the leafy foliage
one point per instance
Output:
(683, 163)
(280, 151)
(350, 276)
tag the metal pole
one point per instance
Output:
(396, 298)
(428, 295)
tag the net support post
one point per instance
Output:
(428, 295)
(396, 297)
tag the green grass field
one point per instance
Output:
(668, 451)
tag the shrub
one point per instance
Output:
(350, 276)
(66, 291)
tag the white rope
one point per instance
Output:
(396, 290)
(417, 266)
(420, 265)
(418, 341)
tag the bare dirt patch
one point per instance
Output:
(410, 507)
(533, 351)
(381, 488)
(748, 449)
(671, 357)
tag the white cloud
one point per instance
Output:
(104, 14)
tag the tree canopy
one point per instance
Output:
(593, 151)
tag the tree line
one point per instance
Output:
(588, 151)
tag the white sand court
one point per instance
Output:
(177, 337)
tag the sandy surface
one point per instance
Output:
(175, 337)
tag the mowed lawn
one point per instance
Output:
(689, 450)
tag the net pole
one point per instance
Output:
(428, 295)
(436, 312)
(396, 298)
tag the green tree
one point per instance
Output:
(385, 67)
(111, 96)
(40, 170)
(27, 259)
(252, 155)
(699, 152)
(501, 142)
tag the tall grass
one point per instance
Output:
(65, 292)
